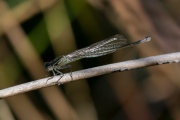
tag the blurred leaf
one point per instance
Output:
(11, 70)
(39, 37)
(14, 3)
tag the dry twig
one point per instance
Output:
(91, 72)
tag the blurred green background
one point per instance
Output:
(35, 31)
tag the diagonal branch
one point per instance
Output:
(91, 72)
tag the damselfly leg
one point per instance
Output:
(56, 71)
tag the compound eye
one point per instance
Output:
(46, 65)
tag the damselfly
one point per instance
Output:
(101, 48)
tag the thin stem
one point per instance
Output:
(91, 72)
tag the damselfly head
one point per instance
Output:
(48, 66)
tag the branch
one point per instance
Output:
(91, 72)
